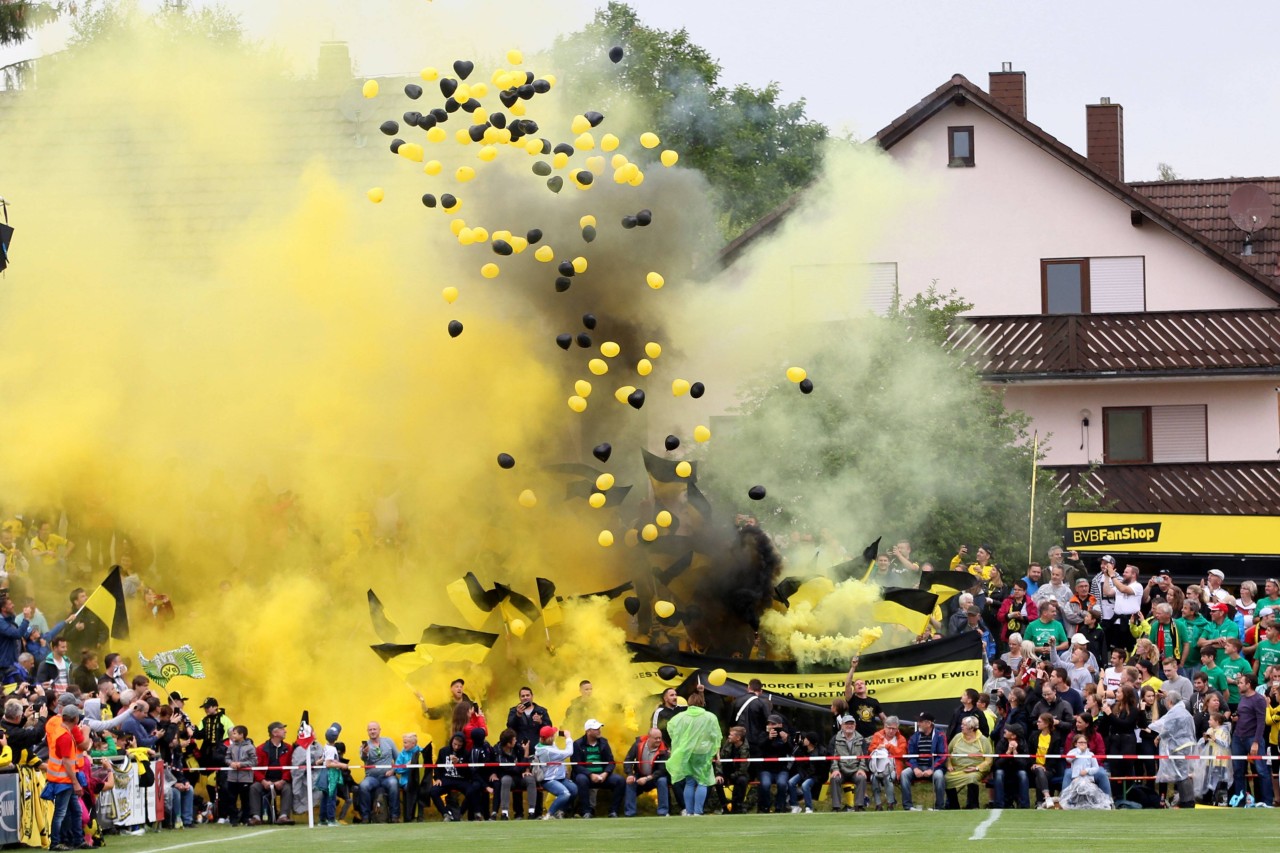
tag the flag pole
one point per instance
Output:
(1035, 462)
(311, 803)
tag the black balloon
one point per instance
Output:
(448, 200)
(633, 606)
(439, 114)
(502, 247)
(542, 168)
(668, 672)
(413, 90)
(395, 145)
(628, 221)
(448, 86)
(429, 200)
(564, 341)
(463, 68)
(585, 178)
(806, 386)
(636, 398)
(563, 148)
(697, 389)
(589, 233)
(644, 217)
(411, 118)
(534, 235)
(541, 86)
(476, 131)
(546, 146)
(426, 122)
(756, 493)
(390, 128)
(528, 125)
(616, 53)
(525, 92)
(451, 106)
(455, 328)
(589, 320)
(508, 98)
(555, 183)
(528, 77)
(672, 442)
(471, 105)
(566, 268)
(562, 283)
(498, 120)
(602, 451)
(584, 340)
(593, 117)
(506, 460)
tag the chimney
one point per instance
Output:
(1009, 89)
(334, 65)
(1104, 136)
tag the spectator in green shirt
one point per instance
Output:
(1268, 653)
(1271, 595)
(1214, 674)
(1233, 667)
(1218, 631)
(1191, 627)
(1046, 632)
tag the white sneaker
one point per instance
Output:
(795, 810)
(915, 808)
(138, 831)
(808, 811)
(177, 823)
(224, 821)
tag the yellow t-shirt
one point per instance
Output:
(1153, 682)
(55, 542)
(1042, 747)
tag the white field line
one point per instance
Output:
(981, 832)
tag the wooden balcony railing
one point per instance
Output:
(1215, 488)
(1024, 346)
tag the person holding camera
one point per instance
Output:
(25, 714)
(526, 719)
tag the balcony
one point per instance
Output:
(1079, 346)
(1215, 488)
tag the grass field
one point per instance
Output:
(1183, 829)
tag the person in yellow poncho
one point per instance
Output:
(967, 764)
(695, 739)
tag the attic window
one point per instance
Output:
(960, 146)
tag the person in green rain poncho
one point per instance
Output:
(695, 739)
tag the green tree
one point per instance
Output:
(898, 438)
(18, 18)
(755, 149)
(1165, 172)
(103, 22)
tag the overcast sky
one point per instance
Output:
(1198, 81)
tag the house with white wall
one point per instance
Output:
(1135, 323)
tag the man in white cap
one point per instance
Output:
(1082, 669)
(593, 768)
(1126, 592)
(1213, 590)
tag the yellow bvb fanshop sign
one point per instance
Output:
(1160, 533)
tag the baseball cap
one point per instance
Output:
(1163, 573)
(547, 731)
(1218, 607)
(972, 611)
(776, 719)
(592, 724)
(844, 718)
(925, 715)
(1266, 611)
(176, 695)
(1109, 559)
(1217, 573)
(1079, 640)
(67, 699)
(210, 703)
(332, 733)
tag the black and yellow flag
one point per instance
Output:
(107, 604)
(946, 585)
(473, 601)
(552, 615)
(403, 658)
(513, 605)
(442, 642)
(382, 626)
(907, 607)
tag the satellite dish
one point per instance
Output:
(1250, 208)
(352, 105)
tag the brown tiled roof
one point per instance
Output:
(959, 90)
(1203, 206)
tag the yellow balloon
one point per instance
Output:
(466, 236)
(623, 393)
(517, 110)
(517, 627)
(605, 538)
(464, 174)
(629, 171)
(560, 160)
(462, 136)
(584, 142)
(501, 234)
(518, 244)
(653, 349)
(487, 153)
(579, 264)
(370, 89)
(411, 151)
(533, 146)
(683, 469)
(528, 499)
(637, 179)
(436, 134)
(456, 225)
(463, 93)
(617, 161)
(644, 367)
(701, 433)
(551, 80)
(680, 387)
(796, 374)
(457, 203)
(433, 167)
(489, 270)
(375, 195)
(481, 234)
(515, 57)
(583, 387)
(577, 403)
(579, 124)
(428, 74)
(717, 677)
(596, 500)
(650, 140)
(682, 702)
(584, 221)
(609, 349)
(604, 482)
(598, 366)
(479, 116)
(669, 158)
(479, 90)
(545, 254)
(608, 142)
(649, 532)
(655, 280)
(664, 608)
(595, 165)
(450, 294)
(579, 181)
(663, 519)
